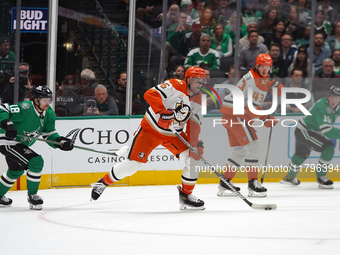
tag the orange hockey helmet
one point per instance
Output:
(195, 72)
(264, 60)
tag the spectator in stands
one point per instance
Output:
(320, 51)
(249, 53)
(293, 24)
(231, 28)
(249, 14)
(336, 59)
(333, 39)
(305, 40)
(278, 32)
(331, 14)
(296, 81)
(120, 93)
(304, 11)
(6, 54)
(321, 25)
(66, 100)
(144, 13)
(276, 4)
(207, 21)
(280, 66)
(203, 54)
(266, 25)
(301, 61)
(87, 85)
(172, 15)
(102, 103)
(180, 71)
(287, 50)
(25, 85)
(188, 8)
(244, 41)
(221, 42)
(325, 77)
(176, 33)
(190, 41)
(223, 12)
(222, 92)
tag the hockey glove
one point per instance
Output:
(274, 84)
(66, 143)
(199, 155)
(166, 118)
(11, 131)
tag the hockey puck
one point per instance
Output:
(268, 208)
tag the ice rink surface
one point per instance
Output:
(147, 220)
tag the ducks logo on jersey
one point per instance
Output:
(182, 112)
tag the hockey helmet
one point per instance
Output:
(195, 72)
(41, 92)
(264, 60)
(334, 90)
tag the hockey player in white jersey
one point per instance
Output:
(177, 103)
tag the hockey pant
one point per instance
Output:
(243, 139)
(142, 145)
(20, 158)
(306, 141)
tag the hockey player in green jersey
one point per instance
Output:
(29, 118)
(313, 133)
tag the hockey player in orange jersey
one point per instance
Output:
(176, 103)
(241, 134)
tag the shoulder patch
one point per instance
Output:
(329, 110)
(179, 81)
(25, 106)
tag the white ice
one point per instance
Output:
(147, 220)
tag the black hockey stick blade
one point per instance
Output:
(252, 205)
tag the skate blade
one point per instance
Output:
(191, 208)
(226, 193)
(1, 205)
(321, 186)
(289, 183)
(257, 194)
(35, 207)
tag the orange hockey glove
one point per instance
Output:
(166, 118)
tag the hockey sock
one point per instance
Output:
(321, 170)
(35, 166)
(327, 154)
(252, 172)
(8, 179)
(295, 165)
(107, 180)
(187, 189)
(230, 171)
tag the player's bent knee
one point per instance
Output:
(36, 164)
(328, 153)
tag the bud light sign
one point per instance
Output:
(32, 20)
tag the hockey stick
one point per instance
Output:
(265, 162)
(252, 205)
(118, 153)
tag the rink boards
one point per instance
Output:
(80, 167)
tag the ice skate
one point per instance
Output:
(35, 201)
(290, 180)
(5, 201)
(324, 182)
(225, 191)
(255, 189)
(189, 202)
(97, 189)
